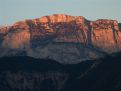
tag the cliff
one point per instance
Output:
(65, 38)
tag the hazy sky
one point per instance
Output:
(15, 10)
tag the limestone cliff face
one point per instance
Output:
(106, 35)
(65, 38)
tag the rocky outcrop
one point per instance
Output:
(3, 31)
(106, 35)
(64, 38)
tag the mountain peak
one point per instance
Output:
(58, 18)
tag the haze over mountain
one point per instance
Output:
(64, 38)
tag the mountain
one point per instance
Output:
(64, 38)
(22, 73)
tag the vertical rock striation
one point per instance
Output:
(65, 38)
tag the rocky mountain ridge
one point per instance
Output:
(65, 38)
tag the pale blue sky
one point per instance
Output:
(15, 10)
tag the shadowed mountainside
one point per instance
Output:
(120, 26)
(29, 74)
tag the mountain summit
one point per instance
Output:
(65, 38)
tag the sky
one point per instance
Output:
(12, 11)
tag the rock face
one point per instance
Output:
(106, 35)
(65, 38)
